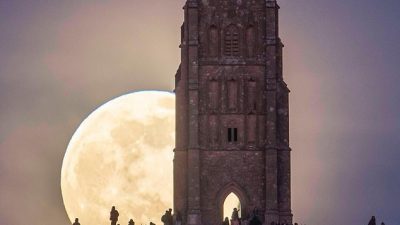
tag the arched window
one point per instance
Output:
(231, 41)
(231, 202)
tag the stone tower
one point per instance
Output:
(232, 116)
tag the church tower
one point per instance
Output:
(232, 115)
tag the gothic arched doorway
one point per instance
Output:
(230, 197)
(232, 201)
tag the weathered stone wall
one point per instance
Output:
(231, 96)
(223, 172)
(232, 113)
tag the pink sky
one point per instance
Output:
(60, 60)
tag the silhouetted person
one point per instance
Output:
(164, 218)
(255, 220)
(178, 218)
(235, 214)
(226, 221)
(167, 217)
(131, 222)
(372, 221)
(114, 216)
(170, 218)
(76, 222)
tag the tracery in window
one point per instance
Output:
(231, 41)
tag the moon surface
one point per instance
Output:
(121, 155)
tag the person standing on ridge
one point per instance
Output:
(114, 216)
(76, 222)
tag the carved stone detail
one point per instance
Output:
(232, 127)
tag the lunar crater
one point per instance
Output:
(122, 155)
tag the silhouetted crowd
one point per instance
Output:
(114, 214)
(252, 219)
(169, 219)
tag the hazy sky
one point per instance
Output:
(60, 60)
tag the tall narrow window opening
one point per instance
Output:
(232, 135)
(235, 135)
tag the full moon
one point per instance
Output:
(121, 155)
